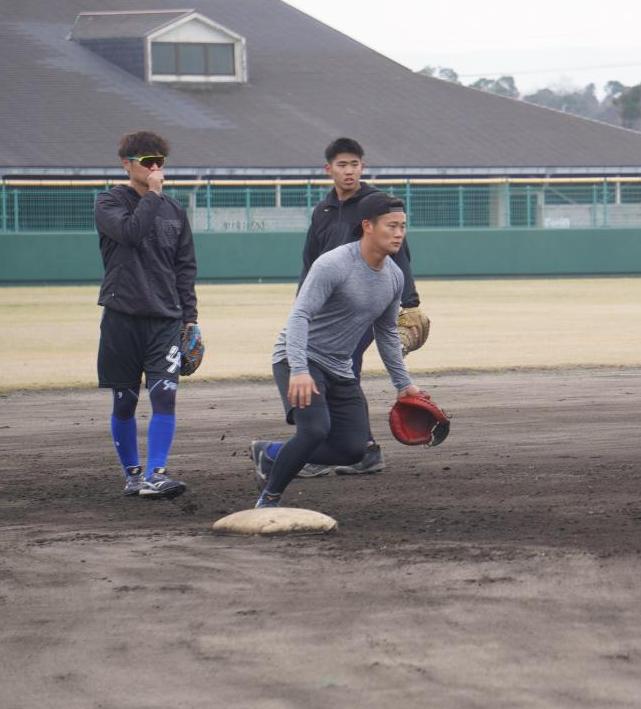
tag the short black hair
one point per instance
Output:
(343, 145)
(374, 205)
(142, 143)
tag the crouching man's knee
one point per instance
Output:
(352, 451)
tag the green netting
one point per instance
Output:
(277, 207)
(41, 209)
(631, 194)
(522, 206)
(444, 207)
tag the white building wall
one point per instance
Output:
(194, 31)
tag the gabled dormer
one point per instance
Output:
(165, 46)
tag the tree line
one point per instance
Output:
(620, 105)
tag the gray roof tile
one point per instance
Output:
(102, 25)
(66, 107)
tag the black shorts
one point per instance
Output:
(131, 345)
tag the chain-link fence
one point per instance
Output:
(223, 206)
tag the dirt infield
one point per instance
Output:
(499, 570)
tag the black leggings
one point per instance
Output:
(357, 355)
(333, 430)
(357, 366)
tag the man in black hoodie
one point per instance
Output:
(333, 223)
(148, 294)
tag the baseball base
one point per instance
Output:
(275, 520)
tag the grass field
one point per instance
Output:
(51, 332)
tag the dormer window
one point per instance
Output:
(193, 59)
(169, 46)
(196, 49)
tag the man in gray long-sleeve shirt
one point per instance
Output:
(349, 289)
(332, 225)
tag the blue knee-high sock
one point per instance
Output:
(160, 436)
(123, 432)
(273, 449)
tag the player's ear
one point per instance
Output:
(328, 168)
(126, 164)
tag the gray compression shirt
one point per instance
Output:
(341, 297)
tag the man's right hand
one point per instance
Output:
(301, 388)
(410, 390)
(155, 180)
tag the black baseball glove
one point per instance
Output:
(192, 349)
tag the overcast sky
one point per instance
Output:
(541, 43)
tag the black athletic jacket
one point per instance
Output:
(148, 253)
(333, 224)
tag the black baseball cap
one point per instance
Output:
(375, 205)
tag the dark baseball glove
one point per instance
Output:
(417, 420)
(192, 349)
(413, 329)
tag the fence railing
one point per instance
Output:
(223, 206)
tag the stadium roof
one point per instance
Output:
(65, 106)
(129, 23)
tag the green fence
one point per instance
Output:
(75, 257)
(223, 206)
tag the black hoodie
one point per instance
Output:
(148, 253)
(333, 225)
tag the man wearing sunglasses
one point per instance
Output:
(148, 295)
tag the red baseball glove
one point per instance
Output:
(417, 420)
